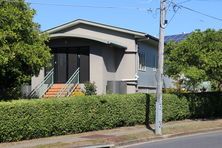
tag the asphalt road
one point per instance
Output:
(207, 140)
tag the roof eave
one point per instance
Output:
(79, 21)
(111, 43)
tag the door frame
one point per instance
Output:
(85, 50)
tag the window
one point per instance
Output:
(155, 65)
(142, 61)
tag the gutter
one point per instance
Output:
(148, 37)
(129, 80)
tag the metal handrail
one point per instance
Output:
(70, 92)
(68, 83)
(51, 72)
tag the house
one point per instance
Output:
(176, 37)
(117, 60)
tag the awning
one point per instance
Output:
(111, 43)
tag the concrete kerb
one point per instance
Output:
(167, 136)
(100, 146)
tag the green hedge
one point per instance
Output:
(204, 105)
(27, 119)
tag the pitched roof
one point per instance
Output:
(81, 21)
(176, 38)
(137, 34)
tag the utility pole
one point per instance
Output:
(158, 119)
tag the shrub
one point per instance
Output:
(204, 105)
(175, 108)
(90, 88)
(174, 90)
(78, 93)
(27, 119)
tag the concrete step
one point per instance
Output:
(49, 96)
(58, 86)
(54, 92)
(54, 89)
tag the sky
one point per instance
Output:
(138, 15)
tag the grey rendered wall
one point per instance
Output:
(97, 32)
(127, 66)
(36, 80)
(106, 63)
(109, 64)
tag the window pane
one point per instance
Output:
(142, 61)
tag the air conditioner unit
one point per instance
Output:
(116, 87)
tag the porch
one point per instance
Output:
(76, 61)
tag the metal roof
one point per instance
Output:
(176, 38)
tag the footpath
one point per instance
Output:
(119, 137)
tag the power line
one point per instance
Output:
(184, 2)
(132, 8)
(204, 14)
(196, 11)
(91, 6)
(178, 6)
(175, 9)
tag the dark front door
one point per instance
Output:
(73, 63)
(60, 63)
(65, 64)
(84, 67)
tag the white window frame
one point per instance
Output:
(155, 62)
(142, 61)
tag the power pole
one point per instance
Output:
(158, 122)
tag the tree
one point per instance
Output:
(23, 51)
(196, 59)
